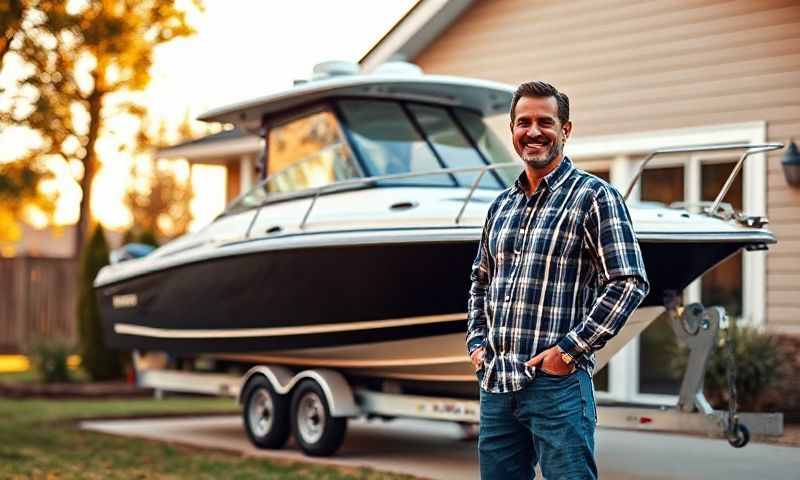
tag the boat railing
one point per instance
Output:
(402, 176)
(749, 148)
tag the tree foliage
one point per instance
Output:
(19, 189)
(98, 361)
(158, 199)
(160, 204)
(76, 60)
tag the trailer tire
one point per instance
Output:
(740, 437)
(314, 429)
(265, 413)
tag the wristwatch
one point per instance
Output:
(566, 358)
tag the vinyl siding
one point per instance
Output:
(631, 66)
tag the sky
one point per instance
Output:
(242, 49)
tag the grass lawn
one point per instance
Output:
(40, 439)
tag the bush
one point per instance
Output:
(49, 360)
(98, 361)
(138, 235)
(758, 367)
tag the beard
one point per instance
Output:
(545, 159)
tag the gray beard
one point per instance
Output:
(538, 163)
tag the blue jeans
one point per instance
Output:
(551, 421)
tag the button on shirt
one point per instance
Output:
(561, 267)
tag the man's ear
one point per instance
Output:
(567, 129)
(511, 125)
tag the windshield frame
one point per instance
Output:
(332, 105)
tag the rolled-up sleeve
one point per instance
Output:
(615, 252)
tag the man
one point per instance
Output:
(557, 274)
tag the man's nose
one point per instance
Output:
(532, 131)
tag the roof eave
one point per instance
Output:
(426, 20)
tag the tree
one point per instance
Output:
(19, 189)
(161, 204)
(11, 14)
(77, 60)
(98, 361)
(158, 200)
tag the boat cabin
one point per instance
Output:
(360, 126)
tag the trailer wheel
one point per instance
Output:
(740, 438)
(314, 429)
(265, 414)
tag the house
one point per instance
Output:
(644, 75)
(233, 149)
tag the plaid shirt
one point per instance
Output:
(561, 267)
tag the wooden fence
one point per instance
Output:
(38, 300)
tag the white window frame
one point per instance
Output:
(627, 151)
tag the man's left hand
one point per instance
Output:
(550, 362)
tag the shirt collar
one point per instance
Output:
(552, 180)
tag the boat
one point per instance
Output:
(354, 251)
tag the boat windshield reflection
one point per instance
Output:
(374, 138)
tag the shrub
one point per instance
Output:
(138, 235)
(98, 361)
(49, 360)
(758, 367)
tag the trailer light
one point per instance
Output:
(791, 165)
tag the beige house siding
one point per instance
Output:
(643, 66)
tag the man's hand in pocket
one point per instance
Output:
(477, 358)
(550, 362)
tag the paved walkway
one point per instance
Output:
(433, 450)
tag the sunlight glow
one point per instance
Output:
(241, 50)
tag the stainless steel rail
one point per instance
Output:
(751, 148)
(399, 176)
(343, 185)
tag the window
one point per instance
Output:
(488, 143)
(723, 284)
(304, 153)
(657, 344)
(451, 145)
(388, 143)
(720, 286)
(307, 152)
(639, 371)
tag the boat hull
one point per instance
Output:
(330, 296)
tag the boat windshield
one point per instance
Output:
(388, 137)
(489, 145)
(304, 153)
(393, 137)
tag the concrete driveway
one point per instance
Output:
(434, 450)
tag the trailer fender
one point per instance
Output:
(337, 391)
(279, 377)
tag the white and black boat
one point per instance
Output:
(354, 252)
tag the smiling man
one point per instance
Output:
(557, 274)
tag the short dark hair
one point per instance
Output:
(542, 90)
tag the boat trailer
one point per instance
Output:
(314, 404)
(697, 328)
